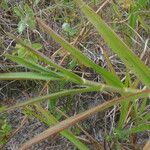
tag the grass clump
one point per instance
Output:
(129, 91)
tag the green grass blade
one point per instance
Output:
(26, 76)
(69, 135)
(145, 26)
(71, 76)
(109, 77)
(140, 128)
(142, 107)
(99, 87)
(31, 65)
(117, 45)
(52, 96)
(51, 120)
(123, 114)
(134, 14)
(146, 117)
(140, 4)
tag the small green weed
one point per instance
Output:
(26, 16)
(5, 130)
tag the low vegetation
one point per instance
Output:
(69, 48)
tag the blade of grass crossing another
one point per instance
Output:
(71, 76)
(31, 65)
(119, 47)
(99, 87)
(51, 96)
(51, 120)
(82, 116)
(116, 44)
(109, 77)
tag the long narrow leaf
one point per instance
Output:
(109, 77)
(31, 65)
(71, 76)
(26, 76)
(116, 44)
(140, 128)
(99, 87)
(51, 96)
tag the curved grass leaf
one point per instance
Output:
(26, 76)
(116, 44)
(71, 76)
(82, 116)
(109, 77)
(32, 65)
(52, 96)
(98, 87)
